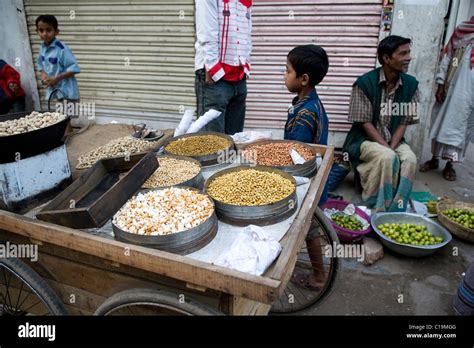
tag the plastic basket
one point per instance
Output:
(344, 233)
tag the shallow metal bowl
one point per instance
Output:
(407, 218)
(197, 181)
(261, 215)
(307, 169)
(205, 160)
(183, 242)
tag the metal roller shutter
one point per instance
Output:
(136, 57)
(157, 39)
(347, 29)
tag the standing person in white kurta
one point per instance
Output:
(452, 127)
(222, 62)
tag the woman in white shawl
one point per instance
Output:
(452, 126)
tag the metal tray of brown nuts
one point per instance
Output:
(182, 242)
(265, 214)
(215, 157)
(307, 169)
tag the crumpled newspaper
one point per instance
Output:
(252, 252)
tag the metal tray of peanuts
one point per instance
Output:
(179, 220)
(252, 195)
(274, 154)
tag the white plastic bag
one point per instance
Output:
(296, 157)
(251, 252)
(185, 122)
(250, 136)
(301, 180)
(203, 120)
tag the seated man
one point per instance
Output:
(384, 102)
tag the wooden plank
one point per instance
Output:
(295, 237)
(242, 306)
(71, 310)
(92, 279)
(73, 262)
(261, 289)
(79, 188)
(121, 191)
(78, 299)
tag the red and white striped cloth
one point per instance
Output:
(463, 36)
(224, 43)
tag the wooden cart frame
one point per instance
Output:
(84, 270)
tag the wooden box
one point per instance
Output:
(99, 193)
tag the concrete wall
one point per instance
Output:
(15, 47)
(423, 22)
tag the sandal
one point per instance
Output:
(429, 165)
(307, 281)
(449, 173)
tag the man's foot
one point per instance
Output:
(429, 165)
(307, 281)
(448, 172)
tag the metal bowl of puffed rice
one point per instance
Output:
(178, 220)
(208, 148)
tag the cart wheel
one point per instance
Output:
(152, 302)
(24, 292)
(298, 294)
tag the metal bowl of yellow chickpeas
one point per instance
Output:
(410, 234)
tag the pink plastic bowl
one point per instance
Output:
(343, 233)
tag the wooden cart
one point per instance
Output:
(86, 270)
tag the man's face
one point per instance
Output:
(400, 59)
(46, 32)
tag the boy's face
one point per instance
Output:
(46, 32)
(293, 83)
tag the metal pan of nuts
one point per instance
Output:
(30, 133)
(207, 147)
(176, 171)
(252, 195)
(178, 220)
(122, 147)
(276, 154)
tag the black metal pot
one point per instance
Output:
(24, 145)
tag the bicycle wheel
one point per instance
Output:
(24, 292)
(323, 269)
(152, 302)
